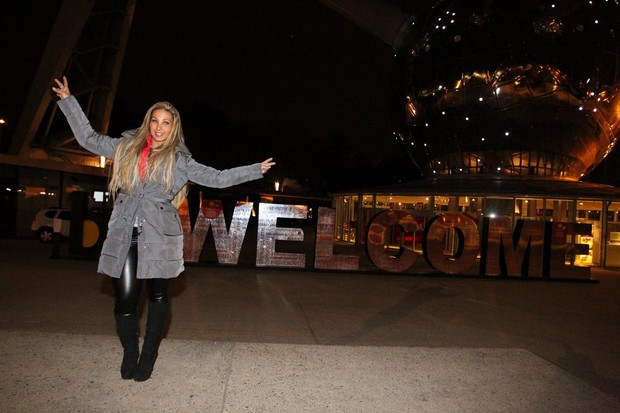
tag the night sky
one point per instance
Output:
(289, 79)
(264, 63)
(252, 79)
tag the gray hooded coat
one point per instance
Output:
(160, 242)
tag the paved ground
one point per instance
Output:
(259, 340)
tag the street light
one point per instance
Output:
(2, 122)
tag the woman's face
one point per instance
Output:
(160, 126)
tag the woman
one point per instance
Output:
(151, 169)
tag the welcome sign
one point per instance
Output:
(452, 242)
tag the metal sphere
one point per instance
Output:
(517, 87)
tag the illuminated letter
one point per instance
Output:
(376, 239)
(192, 244)
(514, 253)
(438, 236)
(90, 233)
(323, 253)
(559, 247)
(227, 243)
(269, 232)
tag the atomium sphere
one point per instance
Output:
(516, 87)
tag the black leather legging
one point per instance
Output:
(127, 288)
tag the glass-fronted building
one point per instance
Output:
(27, 189)
(504, 107)
(478, 197)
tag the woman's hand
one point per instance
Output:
(266, 165)
(62, 91)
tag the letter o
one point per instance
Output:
(375, 240)
(433, 242)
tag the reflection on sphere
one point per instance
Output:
(516, 87)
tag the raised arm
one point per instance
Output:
(211, 177)
(86, 136)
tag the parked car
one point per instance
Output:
(43, 223)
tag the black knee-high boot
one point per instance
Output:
(127, 327)
(157, 317)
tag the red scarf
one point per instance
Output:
(145, 156)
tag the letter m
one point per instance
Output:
(513, 253)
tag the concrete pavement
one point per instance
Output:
(259, 340)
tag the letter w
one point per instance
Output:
(227, 243)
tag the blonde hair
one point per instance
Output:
(160, 164)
